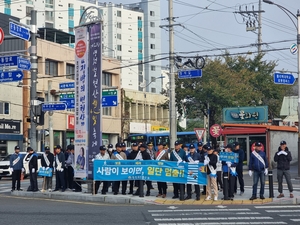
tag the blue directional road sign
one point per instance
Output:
(24, 64)
(11, 60)
(11, 76)
(69, 99)
(189, 74)
(284, 78)
(109, 101)
(67, 85)
(19, 31)
(54, 106)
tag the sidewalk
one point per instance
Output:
(136, 200)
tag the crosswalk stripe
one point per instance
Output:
(282, 211)
(224, 223)
(197, 210)
(295, 220)
(206, 213)
(276, 206)
(214, 218)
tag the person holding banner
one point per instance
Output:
(193, 157)
(102, 155)
(47, 162)
(132, 156)
(119, 155)
(229, 170)
(161, 154)
(178, 154)
(33, 167)
(59, 167)
(202, 150)
(258, 167)
(239, 168)
(210, 161)
(16, 167)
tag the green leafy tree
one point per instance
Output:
(228, 82)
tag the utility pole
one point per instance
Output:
(33, 71)
(250, 17)
(50, 117)
(172, 108)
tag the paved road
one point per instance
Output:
(28, 211)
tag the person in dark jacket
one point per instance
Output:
(161, 154)
(258, 166)
(239, 168)
(131, 156)
(33, 168)
(211, 162)
(47, 162)
(192, 157)
(202, 150)
(178, 154)
(59, 169)
(16, 167)
(229, 170)
(283, 157)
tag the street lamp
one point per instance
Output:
(289, 14)
(144, 86)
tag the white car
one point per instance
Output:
(4, 164)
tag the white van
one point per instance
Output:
(4, 164)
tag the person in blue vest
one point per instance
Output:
(239, 168)
(178, 154)
(16, 167)
(33, 168)
(258, 167)
(192, 157)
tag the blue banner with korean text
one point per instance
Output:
(94, 100)
(154, 170)
(229, 157)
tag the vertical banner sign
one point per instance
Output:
(81, 104)
(95, 61)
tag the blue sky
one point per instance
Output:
(213, 25)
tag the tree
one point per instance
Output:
(229, 82)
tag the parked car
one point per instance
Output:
(4, 164)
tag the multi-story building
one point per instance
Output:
(130, 33)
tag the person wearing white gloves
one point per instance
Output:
(258, 167)
(283, 158)
(33, 167)
(47, 162)
(16, 167)
(59, 167)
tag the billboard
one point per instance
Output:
(255, 114)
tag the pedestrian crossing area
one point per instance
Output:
(224, 215)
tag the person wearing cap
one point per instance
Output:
(192, 157)
(59, 168)
(47, 162)
(219, 170)
(199, 147)
(119, 155)
(132, 156)
(283, 157)
(185, 148)
(110, 150)
(258, 167)
(161, 154)
(33, 167)
(124, 149)
(151, 150)
(179, 155)
(211, 162)
(202, 150)
(102, 155)
(16, 167)
(239, 168)
(229, 170)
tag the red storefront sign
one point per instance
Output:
(71, 122)
(215, 130)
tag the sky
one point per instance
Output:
(211, 26)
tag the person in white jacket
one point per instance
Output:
(102, 155)
(219, 171)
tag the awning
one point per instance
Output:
(228, 131)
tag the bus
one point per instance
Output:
(187, 137)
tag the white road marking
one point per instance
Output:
(205, 213)
(224, 223)
(197, 210)
(214, 218)
(277, 206)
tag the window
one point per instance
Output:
(4, 108)
(49, 15)
(48, 25)
(141, 79)
(119, 58)
(49, 3)
(153, 90)
(153, 79)
(119, 47)
(152, 35)
(28, 11)
(152, 46)
(106, 111)
(119, 36)
(29, 2)
(71, 17)
(28, 22)
(51, 67)
(71, 5)
(152, 57)
(106, 79)
(140, 29)
(119, 13)
(152, 13)
(82, 8)
(139, 18)
(119, 25)
(70, 71)
(152, 24)
(152, 68)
